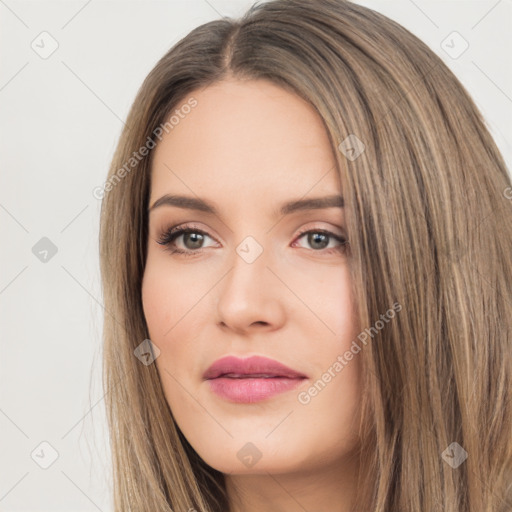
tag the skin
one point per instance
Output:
(247, 147)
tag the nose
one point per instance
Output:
(251, 296)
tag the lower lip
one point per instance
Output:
(251, 390)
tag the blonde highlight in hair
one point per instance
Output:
(429, 227)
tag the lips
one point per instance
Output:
(250, 380)
(255, 367)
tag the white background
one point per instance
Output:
(60, 119)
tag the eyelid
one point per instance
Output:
(167, 233)
(301, 231)
(172, 233)
(321, 229)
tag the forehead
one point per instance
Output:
(245, 139)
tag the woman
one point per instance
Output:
(248, 368)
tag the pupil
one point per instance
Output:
(196, 240)
(317, 237)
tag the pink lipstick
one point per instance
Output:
(250, 380)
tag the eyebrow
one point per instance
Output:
(198, 204)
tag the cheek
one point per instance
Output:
(157, 310)
(167, 296)
(326, 292)
(335, 391)
(343, 310)
(165, 302)
(175, 309)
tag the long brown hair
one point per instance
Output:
(430, 227)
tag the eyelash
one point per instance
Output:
(168, 238)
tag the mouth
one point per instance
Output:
(250, 389)
(255, 367)
(251, 376)
(251, 380)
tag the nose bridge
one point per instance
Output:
(250, 250)
(249, 266)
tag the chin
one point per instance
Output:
(252, 455)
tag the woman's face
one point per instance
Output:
(245, 281)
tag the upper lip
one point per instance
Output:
(255, 366)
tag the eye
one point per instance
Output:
(193, 240)
(320, 239)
